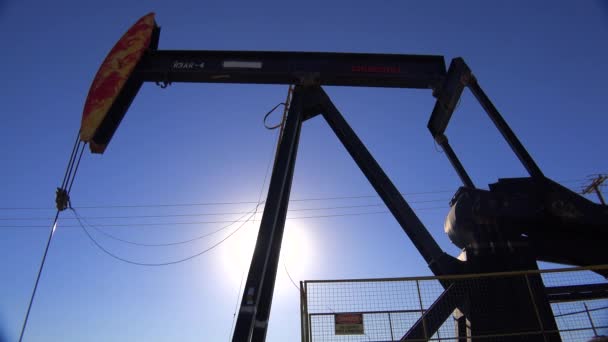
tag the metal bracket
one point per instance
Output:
(62, 199)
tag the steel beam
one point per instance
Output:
(257, 294)
(442, 140)
(263, 314)
(432, 319)
(438, 261)
(459, 75)
(273, 67)
(520, 151)
(448, 96)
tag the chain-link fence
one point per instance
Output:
(387, 309)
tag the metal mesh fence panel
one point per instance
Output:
(388, 309)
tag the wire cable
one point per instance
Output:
(71, 161)
(254, 211)
(306, 199)
(106, 251)
(213, 214)
(199, 237)
(270, 112)
(167, 263)
(290, 278)
(60, 207)
(226, 221)
(46, 251)
(69, 189)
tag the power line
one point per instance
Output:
(106, 251)
(215, 214)
(114, 237)
(172, 262)
(225, 221)
(223, 203)
(247, 202)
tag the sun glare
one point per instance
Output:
(236, 254)
(296, 251)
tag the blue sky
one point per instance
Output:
(543, 65)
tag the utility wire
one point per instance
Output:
(214, 214)
(224, 221)
(249, 202)
(290, 278)
(224, 203)
(199, 237)
(172, 262)
(106, 251)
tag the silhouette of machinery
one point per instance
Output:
(509, 227)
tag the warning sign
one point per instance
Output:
(349, 324)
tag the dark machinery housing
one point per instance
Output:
(516, 223)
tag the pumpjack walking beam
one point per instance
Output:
(278, 67)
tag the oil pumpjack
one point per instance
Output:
(509, 227)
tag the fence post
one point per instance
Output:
(426, 334)
(390, 326)
(533, 300)
(303, 312)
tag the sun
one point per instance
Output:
(296, 252)
(236, 253)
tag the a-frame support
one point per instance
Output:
(309, 101)
(255, 305)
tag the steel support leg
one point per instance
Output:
(442, 140)
(257, 294)
(438, 261)
(462, 329)
(438, 312)
(263, 314)
(505, 130)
